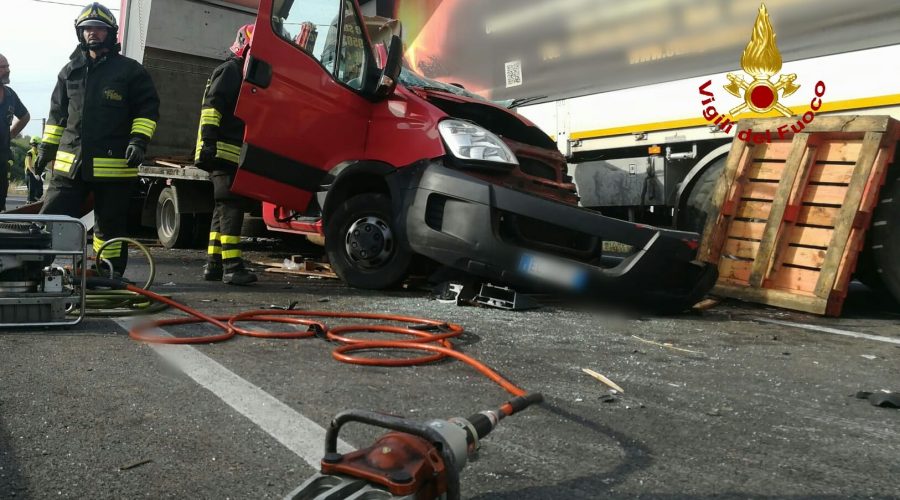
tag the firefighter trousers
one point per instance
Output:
(4, 180)
(227, 219)
(111, 198)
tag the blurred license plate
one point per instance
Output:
(554, 271)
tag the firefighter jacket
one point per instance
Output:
(218, 125)
(97, 108)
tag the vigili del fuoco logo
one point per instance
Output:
(761, 61)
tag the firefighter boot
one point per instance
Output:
(213, 271)
(240, 276)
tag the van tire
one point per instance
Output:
(363, 243)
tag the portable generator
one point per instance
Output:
(42, 270)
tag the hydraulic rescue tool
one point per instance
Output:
(414, 462)
(38, 254)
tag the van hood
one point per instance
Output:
(497, 119)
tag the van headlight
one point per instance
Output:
(468, 141)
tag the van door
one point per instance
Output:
(302, 98)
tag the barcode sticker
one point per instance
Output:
(513, 73)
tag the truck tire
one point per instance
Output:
(879, 262)
(698, 206)
(174, 229)
(362, 243)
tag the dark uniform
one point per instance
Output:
(99, 109)
(32, 180)
(218, 149)
(10, 106)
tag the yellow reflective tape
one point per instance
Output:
(210, 112)
(225, 155)
(115, 172)
(213, 250)
(62, 167)
(110, 162)
(53, 129)
(229, 240)
(228, 147)
(231, 254)
(214, 236)
(65, 157)
(97, 243)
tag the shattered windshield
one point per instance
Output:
(410, 79)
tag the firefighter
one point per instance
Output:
(103, 113)
(218, 148)
(33, 182)
(15, 117)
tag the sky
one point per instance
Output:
(37, 38)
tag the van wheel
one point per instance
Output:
(363, 243)
(174, 229)
(698, 206)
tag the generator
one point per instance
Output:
(42, 270)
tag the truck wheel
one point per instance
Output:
(174, 229)
(362, 243)
(879, 265)
(698, 206)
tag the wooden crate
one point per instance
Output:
(793, 213)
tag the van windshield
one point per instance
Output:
(408, 78)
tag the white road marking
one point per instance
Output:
(290, 428)
(835, 331)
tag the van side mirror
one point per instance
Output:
(387, 82)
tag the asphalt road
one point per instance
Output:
(754, 410)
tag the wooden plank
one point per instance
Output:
(775, 150)
(801, 256)
(753, 210)
(851, 204)
(765, 171)
(790, 300)
(817, 216)
(741, 229)
(843, 124)
(798, 159)
(809, 236)
(840, 151)
(735, 270)
(759, 191)
(835, 174)
(714, 231)
(825, 195)
(792, 278)
(740, 248)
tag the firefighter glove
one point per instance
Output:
(207, 152)
(137, 147)
(46, 152)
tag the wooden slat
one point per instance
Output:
(791, 278)
(775, 150)
(740, 248)
(714, 230)
(840, 151)
(810, 236)
(851, 204)
(798, 159)
(817, 216)
(734, 270)
(741, 229)
(753, 210)
(825, 195)
(845, 124)
(796, 300)
(759, 190)
(801, 256)
(823, 172)
(765, 170)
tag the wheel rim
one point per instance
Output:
(168, 218)
(369, 242)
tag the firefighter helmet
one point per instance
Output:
(242, 40)
(35, 141)
(95, 14)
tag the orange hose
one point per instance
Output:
(437, 343)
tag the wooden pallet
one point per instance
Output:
(793, 213)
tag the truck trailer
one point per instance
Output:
(641, 97)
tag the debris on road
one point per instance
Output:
(604, 380)
(883, 399)
(705, 304)
(299, 265)
(668, 345)
(135, 465)
(488, 295)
